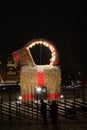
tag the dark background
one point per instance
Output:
(63, 23)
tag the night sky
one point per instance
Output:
(64, 24)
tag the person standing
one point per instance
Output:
(44, 112)
(54, 112)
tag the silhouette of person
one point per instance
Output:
(54, 112)
(44, 112)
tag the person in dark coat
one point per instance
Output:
(54, 112)
(44, 112)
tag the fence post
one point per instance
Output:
(10, 118)
(1, 108)
(19, 114)
(37, 109)
(28, 111)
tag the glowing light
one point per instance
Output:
(38, 89)
(61, 96)
(31, 45)
(20, 97)
(51, 48)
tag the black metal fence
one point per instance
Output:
(13, 113)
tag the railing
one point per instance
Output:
(13, 113)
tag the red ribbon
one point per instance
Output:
(40, 78)
(54, 95)
(27, 96)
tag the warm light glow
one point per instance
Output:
(20, 97)
(53, 50)
(38, 89)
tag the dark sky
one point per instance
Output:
(62, 23)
